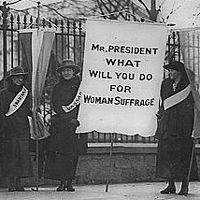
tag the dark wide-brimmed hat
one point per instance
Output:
(176, 65)
(68, 63)
(16, 71)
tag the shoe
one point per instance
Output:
(70, 189)
(20, 188)
(11, 188)
(170, 189)
(184, 191)
(61, 187)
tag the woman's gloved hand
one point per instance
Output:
(75, 123)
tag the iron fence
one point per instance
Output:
(69, 43)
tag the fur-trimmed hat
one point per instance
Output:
(68, 63)
(16, 71)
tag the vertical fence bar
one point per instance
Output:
(132, 139)
(93, 136)
(116, 137)
(31, 22)
(174, 46)
(43, 23)
(56, 23)
(193, 52)
(18, 44)
(4, 10)
(188, 37)
(126, 139)
(56, 47)
(68, 44)
(198, 70)
(136, 138)
(169, 48)
(50, 25)
(74, 37)
(198, 54)
(179, 46)
(98, 137)
(80, 40)
(104, 136)
(62, 40)
(25, 21)
(11, 25)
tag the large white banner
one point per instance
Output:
(122, 74)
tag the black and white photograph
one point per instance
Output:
(100, 99)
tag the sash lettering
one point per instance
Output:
(176, 98)
(17, 101)
(75, 102)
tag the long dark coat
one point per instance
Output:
(62, 149)
(174, 134)
(14, 135)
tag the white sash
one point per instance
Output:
(17, 101)
(176, 98)
(75, 102)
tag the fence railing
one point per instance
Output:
(69, 43)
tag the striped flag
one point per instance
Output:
(36, 49)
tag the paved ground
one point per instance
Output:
(134, 191)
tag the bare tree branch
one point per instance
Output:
(162, 2)
(14, 2)
(101, 9)
(148, 11)
(109, 11)
(54, 10)
(116, 8)
(23, 11)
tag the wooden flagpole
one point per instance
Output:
(110, 162)
(36, 130)
(191, 161)
(37, 150)
(37, 141)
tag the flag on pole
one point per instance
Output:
(190, 47)
(36, 48)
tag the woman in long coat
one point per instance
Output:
(62, 149)
(15, 132)
(174, 133)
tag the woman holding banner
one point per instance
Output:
(62, 149)
(15, 132)
(174, 132)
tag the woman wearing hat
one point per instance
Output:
(175, 125)
(15, 108)
(62, 150)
